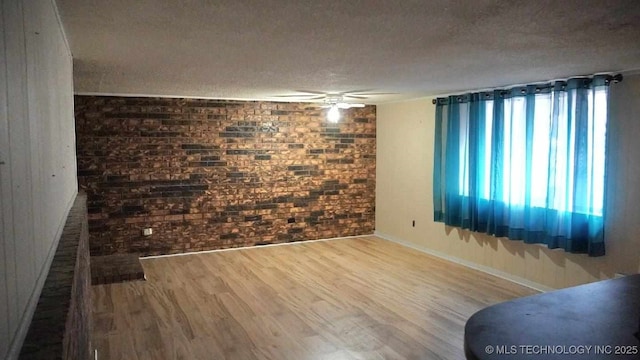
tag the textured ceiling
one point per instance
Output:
(257, 49)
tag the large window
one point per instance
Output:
(526, 163)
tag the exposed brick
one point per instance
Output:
(211, 174)
(61, 324)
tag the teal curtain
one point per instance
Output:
(526, 163)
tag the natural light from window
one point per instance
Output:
(552, 159)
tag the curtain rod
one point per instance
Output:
(612, 78)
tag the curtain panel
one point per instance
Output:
(527, 163)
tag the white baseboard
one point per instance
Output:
(27, 316)
(486, 269)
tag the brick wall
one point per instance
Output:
(61, 324)
(211, 174)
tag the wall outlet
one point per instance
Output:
(147, 232)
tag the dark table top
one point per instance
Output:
(594, 321)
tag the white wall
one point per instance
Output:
(37, 156)
(405, 133)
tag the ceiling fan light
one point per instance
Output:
(333, 115)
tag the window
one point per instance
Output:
(526, 163)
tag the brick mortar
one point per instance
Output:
(213, 174)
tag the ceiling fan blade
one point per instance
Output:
(355, 96)
(301, 97)
(312, 92)
(374, 94)
(359, 91)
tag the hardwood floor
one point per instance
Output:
(361, 298)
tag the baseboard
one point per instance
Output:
(27, 316)
(253, 247)
(486, 269)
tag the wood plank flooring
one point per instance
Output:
(360, 298)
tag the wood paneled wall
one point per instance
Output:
(37, 156)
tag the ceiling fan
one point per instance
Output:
(330, 97)
(334, 101)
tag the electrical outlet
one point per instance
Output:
(147, 232)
